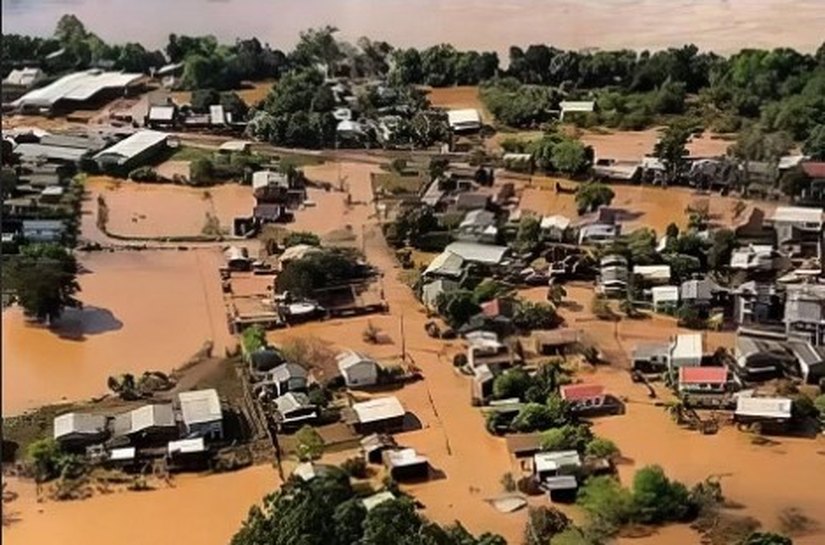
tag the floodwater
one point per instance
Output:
(157, 210)
(149, 310)
(645, 206)
(721, 25)
(204, 510)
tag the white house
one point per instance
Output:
(687, 350)
(357, 369)
(655, 274)
(554, 227)
(202, 413)
(664, 297)
(464, 120)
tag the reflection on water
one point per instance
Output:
(480, 24)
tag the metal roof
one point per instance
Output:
(287, 371)
(142, 418)
(122, 454)
(579, 392)
(457, 118)
(77, 86)
(200, 406)
(292, 401)
(23, 77)
(404, 458)
(58, 153)
(665, 294)
(216, 114)
(187, 446)
(479, 253)
(161, 113)
(235, 145)
(552, 461)
(688, 345)
(351, 358)
(370, 502)
(382, 408)
(703, 375)
(797, 214)
(478, 218)
(134, 145)
(653, 272)
(555, 222)
(80, 423)
(577, 105)
(698, 289)
(446, 263)
(764, 407)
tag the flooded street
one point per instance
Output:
(148, 310)
(721, 25)
(198, 510)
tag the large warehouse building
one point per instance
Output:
(82, 90)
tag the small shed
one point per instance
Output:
(202, 414)
(382, 414)
(150, 422)
(406, 464)
(187, 454)
(370, 502)
(465, 120)
(752, 409)
(665, 298)
(554, 464)
(357, 369)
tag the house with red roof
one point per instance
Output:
(703, 380)
(584, 396)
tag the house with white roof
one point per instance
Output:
(202, 414)
(653, 274)
(478, 226)
(133, 150)
(406, 464)
(466, 120)
(555, 227)
(357, 369)
(665, 298)
(798, 230)
(381, 414)
(687, 350)
(74, 430)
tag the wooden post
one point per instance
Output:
(403, 341)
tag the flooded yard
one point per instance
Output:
(157, 210)
(148, 310)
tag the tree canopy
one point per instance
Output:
(43, 279)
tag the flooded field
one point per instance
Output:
(645, 206)
(457, 98)
(156, 210)
(148, 310)
(633, 145)
(203, 510)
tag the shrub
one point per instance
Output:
(568, 437)
(511, 384)
(355, 467)
(656, 498)
(601, 448)
(144, 174)
(302, 237)
(309, 444)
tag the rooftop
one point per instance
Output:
(479, 253)
(665, 293)
(403, 458)
(553, 461)
(654, 272)
(814, 169)
(463, 117)
(81, 423)
(797, 214)
(764, 407)
(143, 418)
(688, 345)
(555, 222)
(446, 263)
(351, 358)
(581, 392)
(703, 375)
(376, 499)
(200, 406)
(375, 410)
(78, 86)
(292, 401)
(130, 147)
(187, 446)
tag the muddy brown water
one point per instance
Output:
(722, 25)
(148, 310)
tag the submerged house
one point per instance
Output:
(583, 397)
(760, 358)
(478, 226)
(686, 350)
(132, 151)
(651, 357)
(702, 380)
(466, 120)
(406, 464)
(357, 369)
(150, 423)
(294, 409)
(382, 414)
(556, 473)
(766, 410)
(202, 414)
(77, 430)
(757, 303)
(372, 446)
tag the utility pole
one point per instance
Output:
(403, 341)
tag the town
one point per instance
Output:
(370, 292)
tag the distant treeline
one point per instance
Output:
(781, 88)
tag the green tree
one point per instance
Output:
(657, 499)
(603, 498)
(489, 289)
(766, 538)
(724, 242)
(672, 150)
(43, 279)
(390, 522)
(45, 455)
(567, 437)
(535, 416)
(556, 293)
(348, 518)
(543, 523)
(512, 383)
(592, 195)
(815, 144)
(531, 315)
(457, 307)
(325, 269)
(601, 448)
(569, 157)
(302, 237)
(318, 45)
(309, 444)
(529, 234)
(819, 403)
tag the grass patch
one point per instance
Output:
(188, 153)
